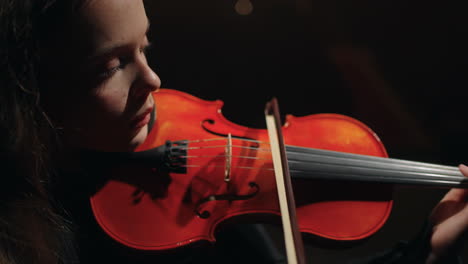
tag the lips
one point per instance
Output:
(142, 119)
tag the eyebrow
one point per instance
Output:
(107, 51)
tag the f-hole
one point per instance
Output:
(226, 197)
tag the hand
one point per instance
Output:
(450, 220)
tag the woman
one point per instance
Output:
(75, 77)
(92, 78)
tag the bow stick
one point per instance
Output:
(292, 236)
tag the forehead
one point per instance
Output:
(111, 22)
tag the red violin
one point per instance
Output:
(222, 172)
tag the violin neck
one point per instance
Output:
(307, 163)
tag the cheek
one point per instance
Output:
(102, 108)
(100, 118)
(111, 97)
(111, 100)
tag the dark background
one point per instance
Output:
(398, 66)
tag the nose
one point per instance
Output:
(147, 80)
(152, 80)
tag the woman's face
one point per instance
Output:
(103, 99)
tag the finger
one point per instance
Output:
(463, 169)
(449, 232)
(457, 194)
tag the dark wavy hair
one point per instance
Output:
(32, 227)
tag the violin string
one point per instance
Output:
(336, 154)
(224, 146)
(220, 166)
(334, 176)
(351, 161)
(362, 167)
(354, 158)
(319, 169)
(224, 139)
(322, 152)
(311, 152)
(223, 156)
(392, 180)
(352, 177)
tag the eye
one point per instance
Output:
(144, 50)
(118, 63)
(121, 64)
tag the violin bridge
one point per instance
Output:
(228, 159)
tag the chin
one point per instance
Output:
(139, 138)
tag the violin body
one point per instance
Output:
(229, 178)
